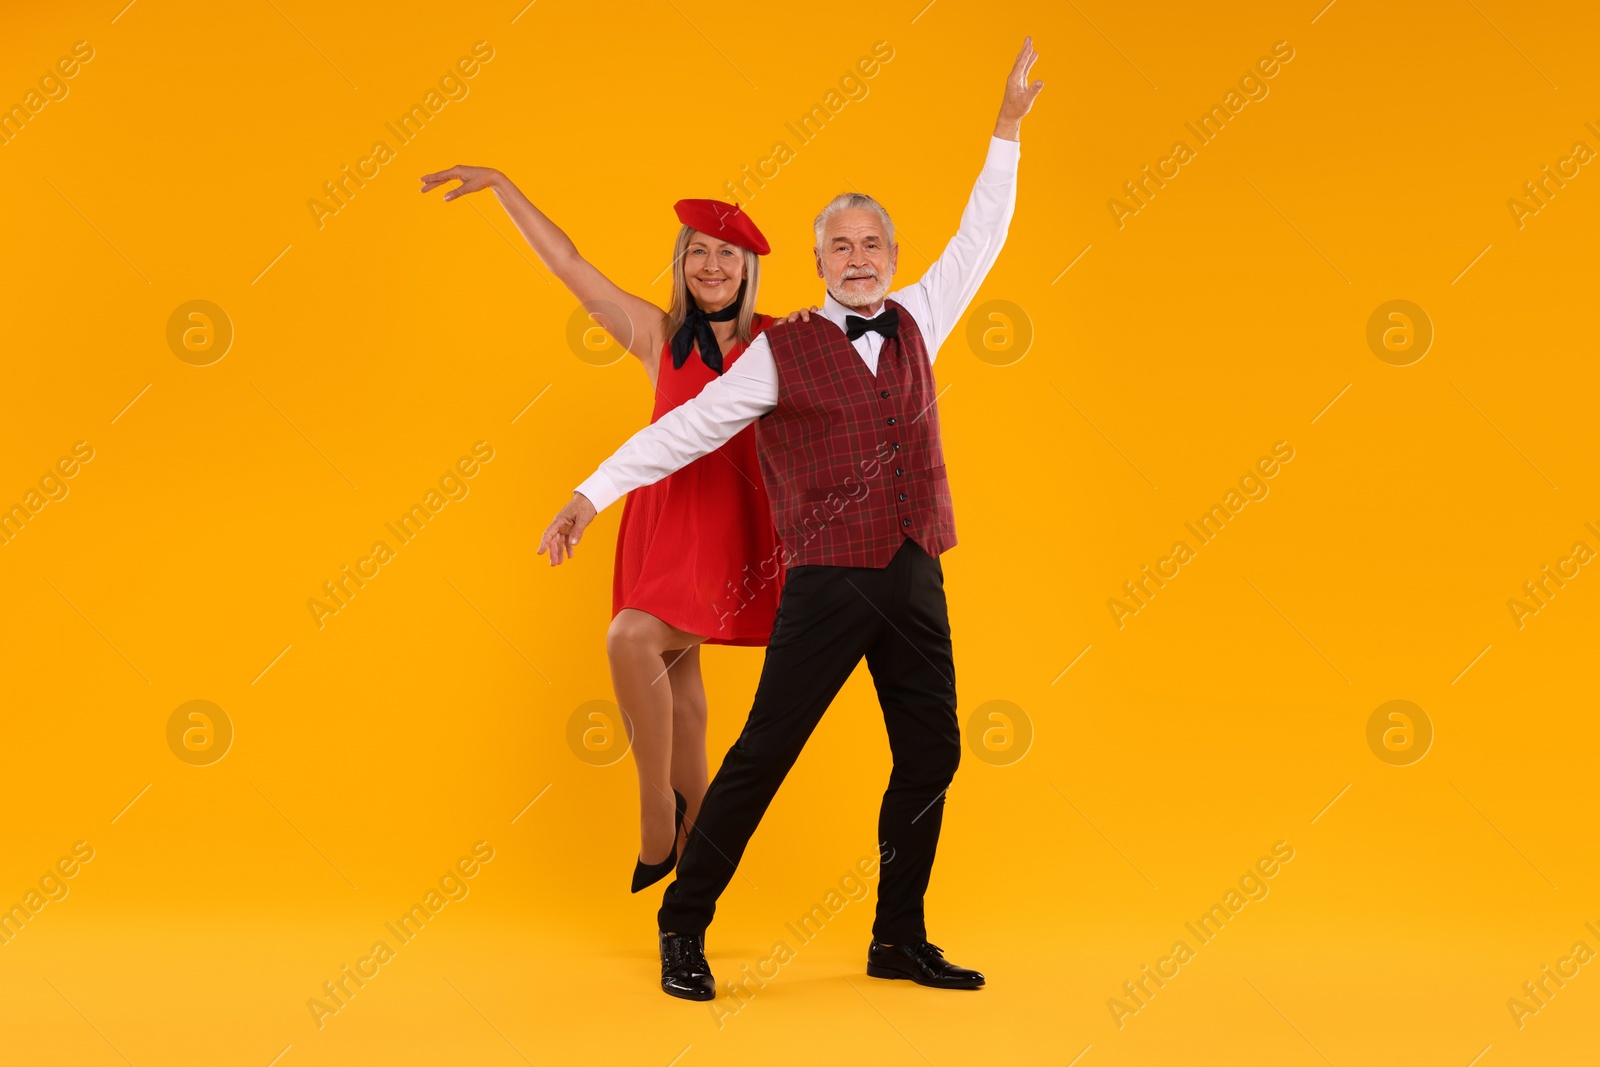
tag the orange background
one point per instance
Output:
(1230, 713)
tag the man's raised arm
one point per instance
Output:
(941, 295)
(725, 406)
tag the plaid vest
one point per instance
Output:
(852, 461)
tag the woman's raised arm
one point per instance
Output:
(641, 329)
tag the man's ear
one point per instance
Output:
(894, 257)
(816, 254)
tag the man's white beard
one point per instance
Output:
(857, 301)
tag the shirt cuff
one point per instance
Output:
(1002, 162)
(600, 490)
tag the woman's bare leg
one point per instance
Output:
(689, 771)
(635, 644)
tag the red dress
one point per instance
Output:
(698, 549)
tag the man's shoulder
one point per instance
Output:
(912, 300)
(800, 331)
(912, 304)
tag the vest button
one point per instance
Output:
(902, 496)
(895, 446)
(905, 522)
(898, 472)
(893, 420)
(884, 393)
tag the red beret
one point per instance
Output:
(725, 222)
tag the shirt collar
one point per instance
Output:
(835, 312)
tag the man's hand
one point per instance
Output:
(562, 537)
(1019, 94)
(802, 315)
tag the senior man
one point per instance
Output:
(847, 428)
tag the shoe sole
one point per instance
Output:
(702, 995)
(876, 971)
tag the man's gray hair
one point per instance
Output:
(848, 202)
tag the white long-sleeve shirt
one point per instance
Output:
(749, 389)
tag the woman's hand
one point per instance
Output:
(472, 179)
(562, 537)
(634, 322)
(803, 315)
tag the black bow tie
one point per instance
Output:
(887, 324)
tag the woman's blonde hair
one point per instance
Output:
(744, 328)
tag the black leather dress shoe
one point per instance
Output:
(684, 970)
(923, 962)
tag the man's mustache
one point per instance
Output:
(859, 274)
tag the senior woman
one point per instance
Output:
(688, 545)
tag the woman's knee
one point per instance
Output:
(632, 632)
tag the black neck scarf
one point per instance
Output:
(696, 332)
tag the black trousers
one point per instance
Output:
(828, 618)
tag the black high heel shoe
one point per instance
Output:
(648, 874)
